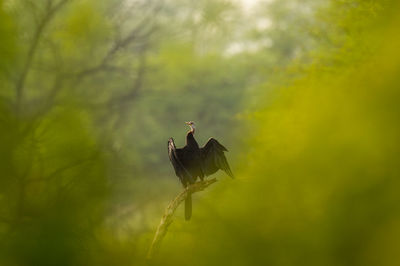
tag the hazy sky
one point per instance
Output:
(247, 4)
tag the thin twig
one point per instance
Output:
(20, 83)
(167, 218)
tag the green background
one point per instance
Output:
(304, 94)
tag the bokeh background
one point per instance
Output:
(304, 94)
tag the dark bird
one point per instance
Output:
(191, 162)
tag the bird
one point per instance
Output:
(192, 162)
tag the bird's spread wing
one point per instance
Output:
(180, 170)
(214, 159)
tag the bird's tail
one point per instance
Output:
(188, 206)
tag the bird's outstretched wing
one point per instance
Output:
(214, 159)
(180, 170)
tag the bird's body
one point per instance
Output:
(192, 162)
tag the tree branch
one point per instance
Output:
(167, 218)
(19, 86)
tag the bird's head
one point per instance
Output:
(191, 125)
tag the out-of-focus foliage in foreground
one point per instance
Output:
(318, 183)
(303, 93)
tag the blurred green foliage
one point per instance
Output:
(303, 93)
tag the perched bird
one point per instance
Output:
(191, 161)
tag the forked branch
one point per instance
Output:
(167, 218)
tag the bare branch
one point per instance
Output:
(136, 86)
(140, 35)
(20, 84)
(167, 218)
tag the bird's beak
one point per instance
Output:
(187, 123)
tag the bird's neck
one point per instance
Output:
(190, 141)
(192, 129)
